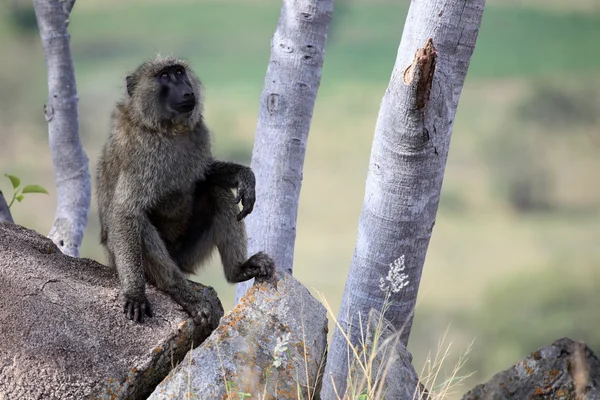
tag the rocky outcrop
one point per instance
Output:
(271, 344)
(564, 370)
(64, 335)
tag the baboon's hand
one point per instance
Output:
(203, 313)
(200, 311)
(261, 267)
(246, 193)
(136, 307)
(192, 298)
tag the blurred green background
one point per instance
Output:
(513, 261)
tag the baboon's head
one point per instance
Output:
(165, 89)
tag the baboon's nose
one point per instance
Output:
(188, 95)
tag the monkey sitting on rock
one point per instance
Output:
(164, 202)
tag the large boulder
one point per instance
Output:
(64, 335)
(564, 370)
(271, 345)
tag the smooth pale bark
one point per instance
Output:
(406, 169)
(287, 103)
(70, 162)
(5, 215)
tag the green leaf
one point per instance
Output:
(231, 385)
(15, 182)
(34, 189)
(19, 198)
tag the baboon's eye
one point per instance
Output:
(164, 75)
(179, 72)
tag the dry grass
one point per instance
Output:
(431, 373)
(366, 377)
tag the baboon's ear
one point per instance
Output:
(130, 85)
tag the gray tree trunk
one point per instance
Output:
(406, 169)
(287, 103)
(70, 162)
(5, 215)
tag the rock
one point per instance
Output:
(64, 335)
(564, 370)
(266, 344)
(391, 370)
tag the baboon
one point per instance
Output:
(164, 202)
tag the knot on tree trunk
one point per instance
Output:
(420, 73)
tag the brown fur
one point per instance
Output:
(164, 203)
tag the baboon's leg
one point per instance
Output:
(191, 258)
(230, 238)
(198, 243)
(162, 271)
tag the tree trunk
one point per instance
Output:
(70, 162)
(5, 215)
(287, 103)
(406, 169)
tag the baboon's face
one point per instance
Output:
(176, 93)
(165, 89)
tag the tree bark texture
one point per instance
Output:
(5, 215)
(287, 103)
(71, 169)
(406, 169)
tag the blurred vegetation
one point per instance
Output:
(22, 18)
(549, 117)
(512, 258)
(522, 313)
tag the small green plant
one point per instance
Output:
(18, 193)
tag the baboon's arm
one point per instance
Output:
(233, 175)
(125, 239)
(229, 174)
(131, 229)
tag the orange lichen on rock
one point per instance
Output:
(233, 320)
(553, 373)
(240, 356)
(528, 369)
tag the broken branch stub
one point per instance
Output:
(420, 73)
